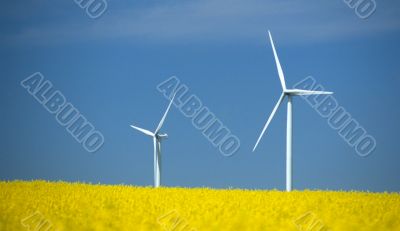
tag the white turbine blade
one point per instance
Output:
(278, 64)
(165, 115)
(307, 92)
(269, 119)
(149, 133)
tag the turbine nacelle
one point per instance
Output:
(162, 136)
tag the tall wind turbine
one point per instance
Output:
(157, 138)
(286, 93)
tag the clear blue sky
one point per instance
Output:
(109, 69)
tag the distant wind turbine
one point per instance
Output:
(157, 138)
(289, 93)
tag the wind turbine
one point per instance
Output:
(157, 138)
(289, 93)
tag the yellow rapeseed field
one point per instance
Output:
(42, 206)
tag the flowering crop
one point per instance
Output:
(43, 206)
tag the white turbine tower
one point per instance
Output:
(289, 93)
(157, 138)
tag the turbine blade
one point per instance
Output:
(165, 115)
(278, 64)
(269, 119)
(147, 132)
(307, 92)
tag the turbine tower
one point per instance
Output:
(157, 138)
(286, 93)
